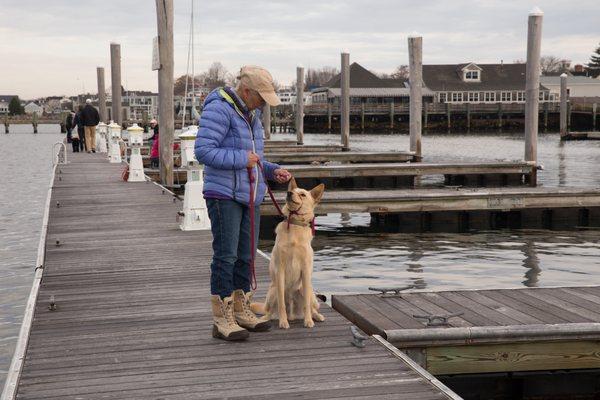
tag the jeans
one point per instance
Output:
(230, 226)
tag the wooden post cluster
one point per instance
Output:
(345, 101)
(166, 121)
(563, 105)
(115, 77)
(300, 105)
(532, 85)
(101, 95)
(415, 60)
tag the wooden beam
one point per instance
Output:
(532, 83)
(115, 78)
(510, 357)
(164, 18)
(102, 95)
(345, 101)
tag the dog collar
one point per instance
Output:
(310, 224)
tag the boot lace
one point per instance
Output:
(228, 313)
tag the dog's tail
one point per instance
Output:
(258, 308)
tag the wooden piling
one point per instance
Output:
(569, 114)
(425, 117)
(6, 124)
(448, 117)
(300, 105)
(545, 116)
(468, 109)
(532, 85)
(328, 117)
(115, 77)
(362, 116)
(34, 122)
(266, 120)
(415, 58)
(345, 101)
(594, 111)
(500, 114)
(563, 105)
(166, 123)
(101, 95)
(392, 115)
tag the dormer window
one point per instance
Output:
(472, 76)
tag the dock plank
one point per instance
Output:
(134, 319)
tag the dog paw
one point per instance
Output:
(318, 317)
(309, 323)
(284, 324)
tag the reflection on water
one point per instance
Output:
(350, 257)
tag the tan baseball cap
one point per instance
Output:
(259, 79)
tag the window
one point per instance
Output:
(442, 97)
(490, 96)
(520, 96)
(505, 96)
(472, 76)
(473, 97)
(457, 97)
(543, 96)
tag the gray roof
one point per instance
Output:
(448, 77)
(360, 77)
(377, 92)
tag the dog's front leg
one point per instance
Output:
(283, 321)
(308, 295)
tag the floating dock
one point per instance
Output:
(483, 331)
(123, 311)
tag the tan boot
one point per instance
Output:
(244, 316)
(224, 325)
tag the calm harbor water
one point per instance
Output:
(349, 256)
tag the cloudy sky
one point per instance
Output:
(53, 47)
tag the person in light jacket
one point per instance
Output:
(230, 145)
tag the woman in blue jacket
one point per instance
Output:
(230, 145)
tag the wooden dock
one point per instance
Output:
(133, 320)
(487, 331)
(581, 136)
(395, 175)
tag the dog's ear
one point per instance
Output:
(292, 185)
(317, 192)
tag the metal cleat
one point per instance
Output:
(52, 306)
(391, 291)
(358, 339)
(438, 320)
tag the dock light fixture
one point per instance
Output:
(114, 151)
(136, 165)
(101, 137)
(194, 215)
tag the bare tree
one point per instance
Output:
(553, 65)
(318, 77)
(217, 75)
(179, 86)
(401, 72)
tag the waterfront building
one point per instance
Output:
(368, 88)
(33, 107)
(4, 102)
(577, 86)
(479, 83)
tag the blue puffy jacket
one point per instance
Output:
(222, 144)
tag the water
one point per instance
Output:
(349, 256)
(24, 185)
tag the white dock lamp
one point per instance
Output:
(194, 213)
(114, 151)
(136, 165)
(101, 131)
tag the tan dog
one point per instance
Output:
(290, 295)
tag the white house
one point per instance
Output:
(33, 107)
(577, 86)
(3, 107)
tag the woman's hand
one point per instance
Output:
(252, 159)
(282, 175)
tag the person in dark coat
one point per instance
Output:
(78, 121)
(69, 125)
(91, 118)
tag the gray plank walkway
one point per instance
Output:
(133, 318)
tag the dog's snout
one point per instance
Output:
(289, 196)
